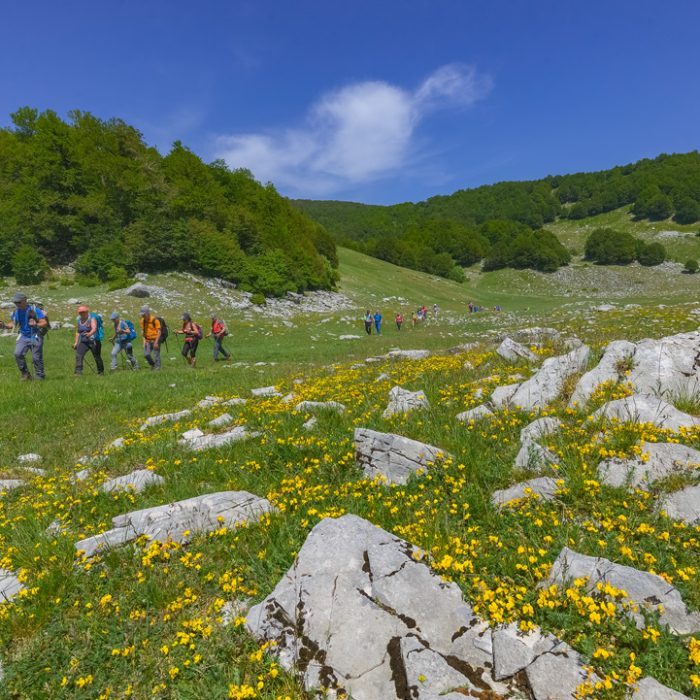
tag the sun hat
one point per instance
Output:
(82, 309)
(144, 311)
(114, 316)
(19, 298)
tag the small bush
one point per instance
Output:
(651, 255)
(28, 265)
(258, 299)
(91, 280)
(691, 266)
(67, 281)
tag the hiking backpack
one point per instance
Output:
(132, 331)
(31, 313)
(100, 335)
(164, 332)
(199, 332)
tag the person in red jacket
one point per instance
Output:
(219, 332)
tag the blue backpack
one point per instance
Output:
(132, 330)
(100, 335)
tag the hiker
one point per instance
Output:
(436, 311)
(378, 322)
(414, 319)
(399, 321)
(150, 330)
(88, 338)
(219, 332)
(368, 322)
(124, 333)
(193, 334)
(32, 325)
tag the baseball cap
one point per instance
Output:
(19, 298)
(82, 309)
(114, 316)
(144, 311)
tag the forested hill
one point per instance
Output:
(93, 193)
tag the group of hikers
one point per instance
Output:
(421, 314)
(32, 324)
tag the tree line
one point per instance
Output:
(92, 193)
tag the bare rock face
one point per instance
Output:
(180, 520)
(532, 456)
(660, 460)
(513, 651)
(219, 421)
(10, 586)
(404, 401)
(546, 384)
(608, 369)
(683, 505)
(9, 484)
(545, 487)
(474, 414)
(408, 354)
(265, 391)
(646, 408)
(501, 396)
(650, 689)
(312, 406)
(393, 456)
(540, 428)
(209, 402)
(138, 290)
(199, 441)
(557, 676)
(136, 481)
(512, 352)
(356, 611)
(646, 590)
(31, 458)
(163, 418)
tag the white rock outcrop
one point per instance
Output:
(219, 421)
(683, 505)
(263, 391)
(312, 406)
(164, 418)
(540, 428)
(646, 408)
(512, 352)
(474, 414)
(408, 354)
(10, 586)
(404, 401)
(608, 369)
(545, 487)
(9, 484)
(136, 481)
(201, 441)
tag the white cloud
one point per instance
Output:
(353, 135)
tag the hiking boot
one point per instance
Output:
(26, 377)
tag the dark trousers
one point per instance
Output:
(95, 347)
(189, 347)
(219, 348)
(36, 345)
(368, 327)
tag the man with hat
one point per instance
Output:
(150, 330)
(32, 325)
(124, 333)
(219, 332)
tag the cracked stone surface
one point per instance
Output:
(312, 406)
(408, 354)
(164, 418)
(223, 419)
(606, 370)
(404, 401)
(646, 590)
(556, 676)
(10, 586)
(512, 351)
(393, 456)
(683, 505)
(532, 456)
(650, 689)
(545, 487)
(265, 391)
(9, 484)
(513, 650)
(502, 395)
(29, 458)
(646, 408)
(235, 402)
(474, 414)
(211, 441)
(547, 383)
(180, 520)
(209, 401)
(662, 459)
(540, 428)
(356, 611)
(136, 481)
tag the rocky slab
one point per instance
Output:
(557, 676)
(164, 418)
(545, 487)
(136, 481)
(31, 458)
(540, 428)
(646, 408)
(501, 396)
(10, 586)
(312, 406)
(213, 440)
(9, 484)
(474, 414)
(650, 689)
(512, 351)
(608, 369)
(683, 505)
(646, 590)
(404, 401)
(408, 354)
(219, 421)
(533, 456)
(180, 520)
(393, 457)
(262, 391)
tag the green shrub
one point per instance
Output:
(691, 266)
(258, 299)
(67, 281)
(606, 246)
(91, 280)
(651, 254)
(28, 265)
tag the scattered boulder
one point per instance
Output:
(540, 428)
(356, 611)
(408, 354)
(163, 418)
(192, 434)
(474, 414)
(650, 689)
(312, 406)
(514, 651)
(310, 424)
(136, 481)
(209, 402)
(10, 586)
(646, 408)
(658, 461)
(557, 675)
(80, 475)
(602, 308)
(138, 290)
(546, 384)
(393, 456)
(512, 352)
(208, 442)
(235, 402)
(533, 456)
(9, 484)
(683, 505)
(348, 337)
(646, 590)
(545, 487)
(537, 334)
(606, 370)
(404, 401)
(502, 395)
(180, 520)
(30, 458)
(265, 391)
(223, 419)
(116, 444)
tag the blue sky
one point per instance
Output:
(378, 102)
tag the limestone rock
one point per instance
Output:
(265, 391)
(209, 402)
(138, 290)
(208, 442)
(650, 689)
(404, 401)
(474, 414)
(235, 402)
(645, 408)
(540, 428)
(356, 611)
(606, 370)
(502, 395)
(10, 586)
(348, 336)
(512, 352)
(556, 676)
(683, 505)
(408, 354)
(537, 334)
(30, 458)
(533, 456)
(646, 590)
(223, 419)
(604, 307)
(546, 384)
(80, 475)
(513, 650)
(393, 456)
(545, 487)
(662, 459)
(171, 521)
(163, 418)
(192, 434)
(136, 481)
(117, 444)
(9, 484)
(310, 424)
(312, 406)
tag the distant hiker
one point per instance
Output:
(471, 307)
(414, 319)
(124, 334)
(32, 325)
(399, 321)
(219, 332)
(436, 311)
(193, 334)
(88, 338)
(378, 322)
(368, 322)
(150, 330)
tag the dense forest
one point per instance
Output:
(91, 193)
(444, 232)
